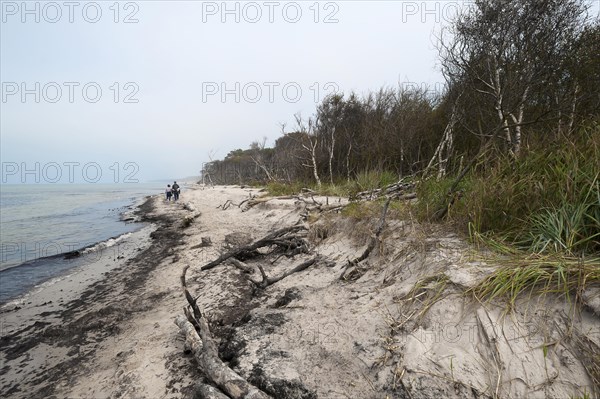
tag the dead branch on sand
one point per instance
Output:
(267, 281)
(226, 205)
(399, 191)
(238, 264)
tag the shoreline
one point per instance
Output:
(59, 290)
(61, 258)
(90, 257)
(58, 312)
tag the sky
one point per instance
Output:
(112, 91)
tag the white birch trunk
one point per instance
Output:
(331, 148)
(573, 107)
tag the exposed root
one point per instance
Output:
(284, 238)
(201, 343)
(372, 242)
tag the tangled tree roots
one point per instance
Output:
(286, 241)
(202, 345)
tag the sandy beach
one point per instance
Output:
(384, 333)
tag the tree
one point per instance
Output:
(260, 155)
(330, 115)
(310, 141)
(506, 52)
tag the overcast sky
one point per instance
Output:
(151, 88)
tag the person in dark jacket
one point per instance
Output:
(175, 191)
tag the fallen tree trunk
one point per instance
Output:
(305, 193)
(246, 200)
(397, 190)
(208, 392)
(255, 201)
(205, 352)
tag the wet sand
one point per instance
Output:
(49, 335)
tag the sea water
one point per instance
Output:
(41, 224)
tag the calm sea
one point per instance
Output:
(39, 223)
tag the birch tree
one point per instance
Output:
(309, 143)
(330, 116)
(507, 50)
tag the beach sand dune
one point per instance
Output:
(398, 327)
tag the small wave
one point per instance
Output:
(19, 301)
(97, 247)
(111, 242)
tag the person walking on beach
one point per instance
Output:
(168, 192)
(175, 191)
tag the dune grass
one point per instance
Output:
(540, 213)
(548, 200)
(539, 274)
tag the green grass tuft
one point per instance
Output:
(276, 189)
(538, 274)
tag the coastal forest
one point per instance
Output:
(509, 149)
